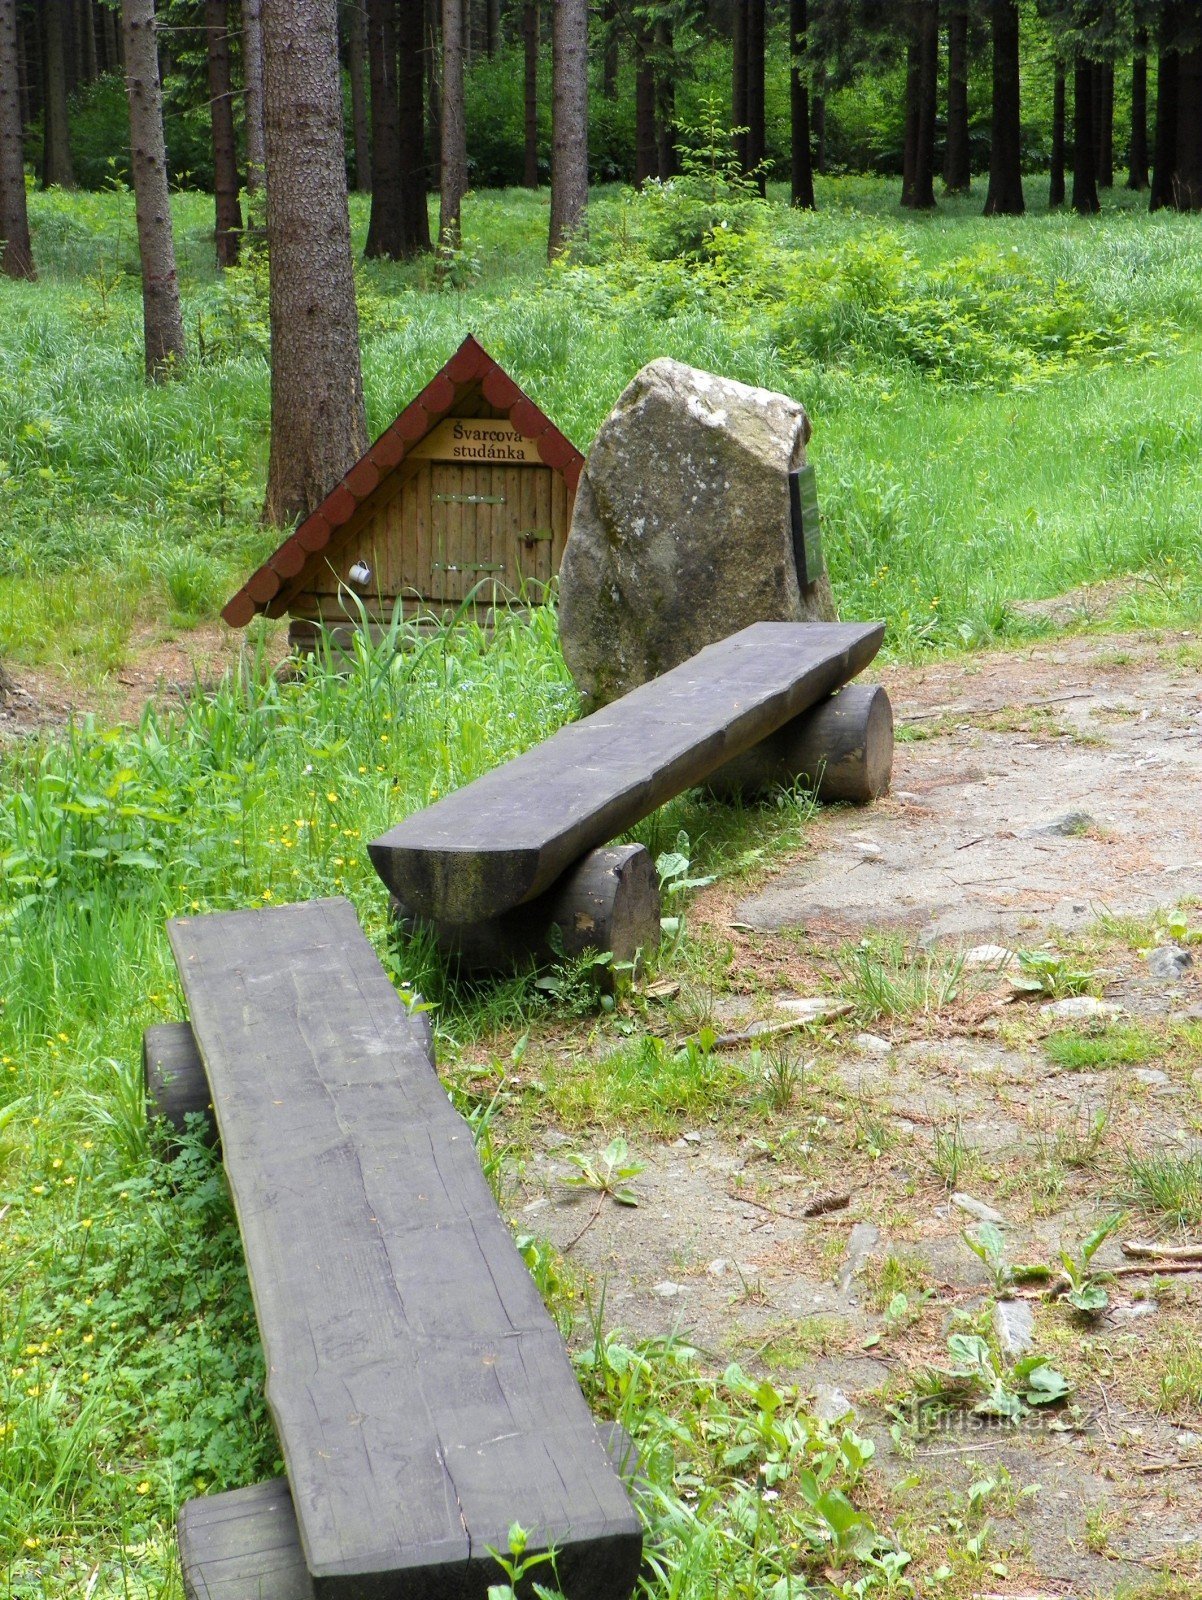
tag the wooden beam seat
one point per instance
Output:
(504, 839)
(423, 1398)
(245, 1544)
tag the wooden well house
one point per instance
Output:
(464, 501)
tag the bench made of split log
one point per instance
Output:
(507, 837)
(423, 1397)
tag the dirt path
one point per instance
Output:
(1052, 795)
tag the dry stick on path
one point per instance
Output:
(162, 321)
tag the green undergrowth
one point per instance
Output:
(1003, 408)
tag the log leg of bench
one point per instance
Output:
(609, 902)
(175, 1082)
(843, 747)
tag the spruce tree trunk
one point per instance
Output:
(492, 27)
(114, 48)
(226, 185)
(1164, 155)
(56, 140)
(1056, 176)
(757, 142)
(432, 14)
(801, 163)
(928, 104)
(162, 322)
(453, 175)
(16, 253)
(1085, 182)
(665, 102)
(414, 171)
(1103, 123)
(957, 160)
(318, 425)
(609, 58)
(1005, 194)
(1137, 150)
(569, 123)
(738, 87)
(818, 122)
(912, 114)
(646, 153)
(1187, 190)
(252, 78)
(386, 228)
(530, 33)
(86, 54)
(357, 69)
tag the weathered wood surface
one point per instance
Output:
(504, 839)
(609, 902)
(423, 1398)
(245, 1544)
(842, 748)
(174, 1078)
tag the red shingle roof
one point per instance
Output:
(471, 367)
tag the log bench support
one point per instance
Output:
(842, 749)
(422, 1396)
(609, 903)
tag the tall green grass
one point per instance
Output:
(1010, 407)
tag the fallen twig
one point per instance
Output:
(820, 1206)
(1163, 1252)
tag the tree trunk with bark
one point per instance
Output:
(609, 57)
(161, 318)
(665, 102)
(530, 33)
(318, 424)
(226, 183)
(386, 228)
(646, 152)
(453, 174)
(1056, 175)
(1005, 194)
(569, 123)
(56, 139)
(252, 79)
(1164, 155)
(928, 104)
(1187, 190)
(757, 135)
(86, 52)
(910, 124)
(356, 62)
(414, 170)
(1085, 181)
(957, 159)
(738, 87)
(492, 27)
(801, 163)
(818, 121)
(16, 252)
(1103, 123)
(114, 47)
(1137, 150)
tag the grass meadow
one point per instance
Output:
(1002, 411)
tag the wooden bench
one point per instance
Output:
(507, 838)
(423, 1398)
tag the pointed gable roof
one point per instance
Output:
(470, 369)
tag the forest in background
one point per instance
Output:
(882, 83)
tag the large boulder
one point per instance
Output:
(682, 532)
